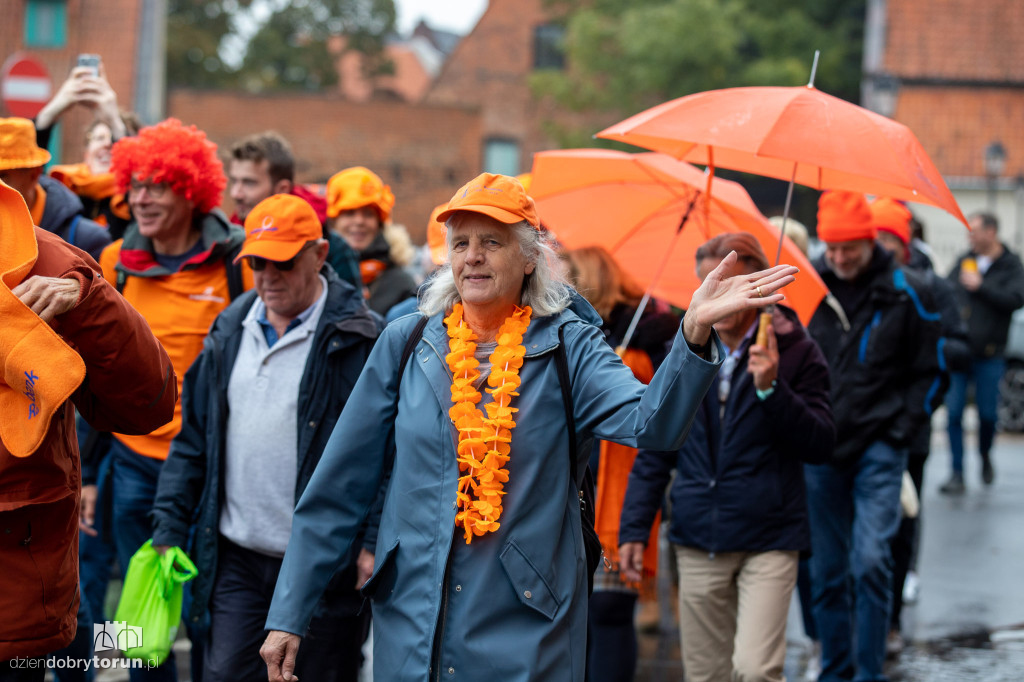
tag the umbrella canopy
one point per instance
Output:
(792, 133)
(632, 204)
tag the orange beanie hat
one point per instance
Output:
(844, 217)
(892, 216)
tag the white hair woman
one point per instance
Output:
(480, 565)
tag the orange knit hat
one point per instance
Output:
(356, 187)
(892, 216)
(499, 196)
(18, 148)
(844, 217)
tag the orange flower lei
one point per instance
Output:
(484, 442)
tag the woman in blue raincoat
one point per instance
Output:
(480, 569)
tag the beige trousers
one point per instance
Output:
(732, 614)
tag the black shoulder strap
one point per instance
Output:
(562, 362)
(122, 277)
(234, 272)
(410, 345)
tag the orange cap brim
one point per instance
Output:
(499, 214)
(275, 251)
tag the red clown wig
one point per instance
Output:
(175, 154)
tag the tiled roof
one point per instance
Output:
(955, 39)
(956, 124)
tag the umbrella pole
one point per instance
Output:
(628, 336)
(766, 316)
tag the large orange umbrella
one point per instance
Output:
(649, 208)
(793, 133)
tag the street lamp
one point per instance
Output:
(995, 163)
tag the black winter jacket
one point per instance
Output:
(63, 215)
(883, 355)
(739, 484)
(191, 489)
(988, 310)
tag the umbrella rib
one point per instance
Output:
(640, 225)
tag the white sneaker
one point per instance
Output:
(813, 669)
(911, 588)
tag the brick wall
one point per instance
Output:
(424, 152)
(108, 28)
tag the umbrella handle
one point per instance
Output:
(762, 329)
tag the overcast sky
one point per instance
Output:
(453, 15)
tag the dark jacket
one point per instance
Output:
(129, 386)
(881, 338)
(988, 310)
(64, 216)
(739, 485)
(393, 285)
(191, 488)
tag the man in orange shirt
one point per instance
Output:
(175, 267)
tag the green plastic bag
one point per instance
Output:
(150, 606)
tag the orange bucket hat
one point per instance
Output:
(357, 187)
(498, 196)
(38, 370)
(18, 148)
(278, 227)
(844, 217)
(892, 216)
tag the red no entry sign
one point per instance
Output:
(26, 86)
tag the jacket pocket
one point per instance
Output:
(528, 583)
(382, 582)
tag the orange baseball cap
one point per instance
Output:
(844, 217)
(18, 148)
(278, 227)
(498, 196)
(356, 187)
(892, 216)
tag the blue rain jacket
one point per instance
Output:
(512, 605)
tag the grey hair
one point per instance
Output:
(545, 289)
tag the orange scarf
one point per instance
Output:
(38, 370)
(83, 182)
(613, 476)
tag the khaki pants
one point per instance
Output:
(732, 613)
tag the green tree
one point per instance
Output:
(627, 55)
(290, 51)
(196, 30)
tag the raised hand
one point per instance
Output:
(719, 297)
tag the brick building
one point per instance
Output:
(424, 152)
(953, 72)
(127, 34)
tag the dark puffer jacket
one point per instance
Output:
(882, 339)
(739, 483)
(191, 487)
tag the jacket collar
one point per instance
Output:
(541, 336)
(218, 237)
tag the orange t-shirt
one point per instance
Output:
(179, 309)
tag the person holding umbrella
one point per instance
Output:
(739, 512)
(480, 567)
(880, 337)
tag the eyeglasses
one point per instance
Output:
(260, 264)
(156, 190)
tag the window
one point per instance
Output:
(501, 156)
(46, 23)
(547, 47)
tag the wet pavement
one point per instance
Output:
(968, 622)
